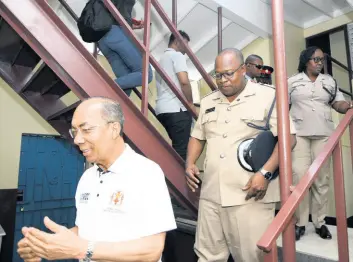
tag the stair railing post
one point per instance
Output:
(220, 32)
(272, 256)
(175, 13)
(284, 141)
(95, 50)
(340, 201)
(146, 58)
(351, 138)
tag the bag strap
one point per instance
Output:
(267, 125)
(332, 96)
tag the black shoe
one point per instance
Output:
(323, 232)
(299, 231)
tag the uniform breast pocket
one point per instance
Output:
(254, 119)
(328, 92)
(299, 90)
(209, 122)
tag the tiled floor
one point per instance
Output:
(312, 244)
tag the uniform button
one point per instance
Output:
(101, 181)
(227, 121)
(238, 99)
(229, 108)
(313, 109)
(225, 135)
(97, 195)
(222, 156)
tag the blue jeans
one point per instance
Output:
(124, 58)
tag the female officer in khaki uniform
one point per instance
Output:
(312, 95)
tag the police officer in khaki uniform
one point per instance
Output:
(235, 206)
(254, 65)
(312, 95)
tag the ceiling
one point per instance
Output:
(239, 24)
(307, 13)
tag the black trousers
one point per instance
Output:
(178, 126)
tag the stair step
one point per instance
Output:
(61, 120)
(14, 49)
(64, 114)
(311, 245)
(45, 81)
(310, 248)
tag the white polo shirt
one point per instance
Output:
(172, 62)
(128, 202)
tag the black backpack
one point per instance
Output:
(95, 21)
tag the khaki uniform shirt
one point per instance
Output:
(224, 126)
(310, 108)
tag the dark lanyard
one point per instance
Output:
(267, 126)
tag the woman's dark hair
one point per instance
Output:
(305, 56)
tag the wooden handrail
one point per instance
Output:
(284, 216)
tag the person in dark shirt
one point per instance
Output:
(121, 53)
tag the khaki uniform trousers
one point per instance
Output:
(304, 153)
(234, 230)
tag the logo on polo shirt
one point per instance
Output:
(115, 204)
(117, 198)
(84, 197)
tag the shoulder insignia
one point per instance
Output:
(214, 91)
(267, 85)
(329, 76)
(296, 74)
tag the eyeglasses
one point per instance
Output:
(256, 65)
(227, 75)
(318, 59)
(85, 131)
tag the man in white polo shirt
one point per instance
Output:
(123, 204)
(170, 111)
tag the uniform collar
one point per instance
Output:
(304, 76)
(248, 91)
(248, 77)
(120, 162)
(253, 79)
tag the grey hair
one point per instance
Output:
(238, 54)
(111, 111)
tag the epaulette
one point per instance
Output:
(267, 85)
(329, 76)
(214, 91)
(293, 75)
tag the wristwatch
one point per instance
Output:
(89, 252)
(266, 174)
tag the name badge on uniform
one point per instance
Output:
(209, 110)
